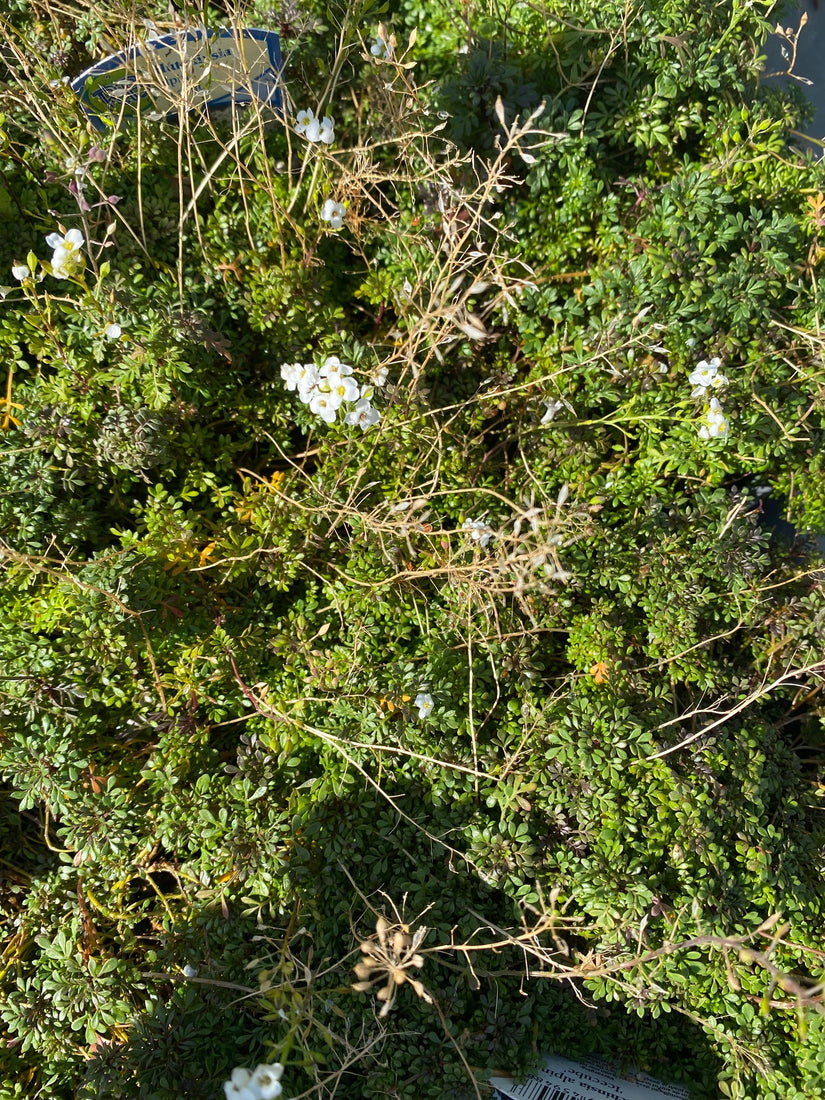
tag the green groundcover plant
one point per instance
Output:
(411, 638)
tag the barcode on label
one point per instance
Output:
(538, 1091)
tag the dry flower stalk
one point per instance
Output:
(390, 959)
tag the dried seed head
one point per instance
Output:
(388, 958)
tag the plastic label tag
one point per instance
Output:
(175, 72)
(560, 1079)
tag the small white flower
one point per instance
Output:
(235, 1093)
(302, 120)
(333, 363)
(267, 1080)
(364, 415)
(292, 373)
(379, 376)
(68, 255)
(113, 331)
(478, 531)
(21, 272)
(705, 376)
(325, 405)
(61, 268)
(308, 382)
(240, 1086)
(425, 704)
(343, 385)
(714, 423)
(71, 242)
(552, 408)
(334, 213)
(313, 128)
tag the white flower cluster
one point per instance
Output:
(707, 376)
(313, 128)
(714, 423)
(263, 1083)
(68, 258)
(478, 531)
(326, 388)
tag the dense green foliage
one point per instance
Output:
(529, 660)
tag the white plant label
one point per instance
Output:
(560, 1079)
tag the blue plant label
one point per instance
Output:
(174, 72)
